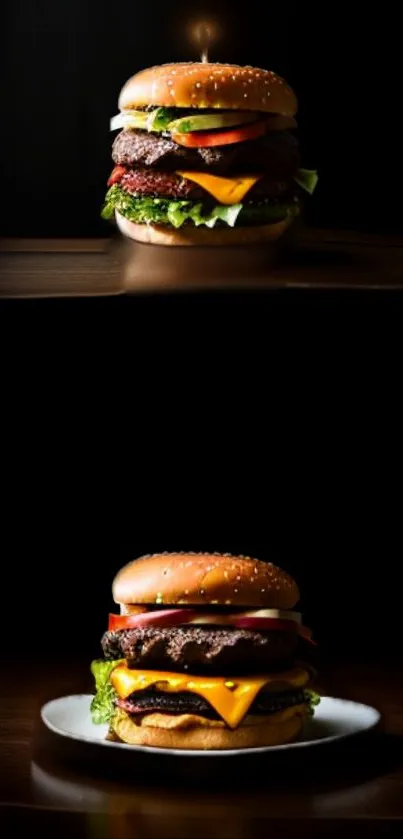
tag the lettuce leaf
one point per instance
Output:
(159, 119)
(268, 212)
(147, 210)
(312, 699)
(103, 703)
(307, 179)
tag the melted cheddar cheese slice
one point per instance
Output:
(230, 698)
(224, 190)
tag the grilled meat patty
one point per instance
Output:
(276, 154)
(201, 649)
(150, 701)
(160, 183)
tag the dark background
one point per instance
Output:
(266, 423)
(64, 63)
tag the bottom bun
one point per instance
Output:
(190, 235)
(254, 732)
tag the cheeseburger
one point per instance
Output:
(206, 154)
(205, 654)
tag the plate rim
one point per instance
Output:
(255, 750)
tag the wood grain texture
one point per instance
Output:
(360, 780)
(95, 267)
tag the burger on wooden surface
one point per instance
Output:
(206, 154)
(206, 653)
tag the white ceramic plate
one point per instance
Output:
(334, 719)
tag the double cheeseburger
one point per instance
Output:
(205, 654)
(206, 154)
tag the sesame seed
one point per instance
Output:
(172, 92)
(202, 591)
(238, 577)
(198, 84)
(234, 78)
(236, 590)
(170, 82)
(228, 602)
(226, 575)
(262, 590)
(214, 602)
(256, 571)
(245, 96)
(188, 564)
(193, 95)
(186, 591)
(233, 566)
(215, 85)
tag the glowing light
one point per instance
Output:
(204, 34)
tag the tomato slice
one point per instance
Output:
(276, 624)
(162, 617)
(177, 617)
(116, 175)
(266, 623)
(198, 139)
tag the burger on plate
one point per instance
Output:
(206, 653)
(206, 154)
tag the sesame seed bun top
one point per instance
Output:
(204, 578)
(205, 85)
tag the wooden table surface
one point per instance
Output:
(49, 784)
(88, 267)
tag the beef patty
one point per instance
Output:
(160, 183)
(201, 649)
(276, 154)
(149, 701)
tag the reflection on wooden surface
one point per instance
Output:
(96, 793)
(94, 267)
